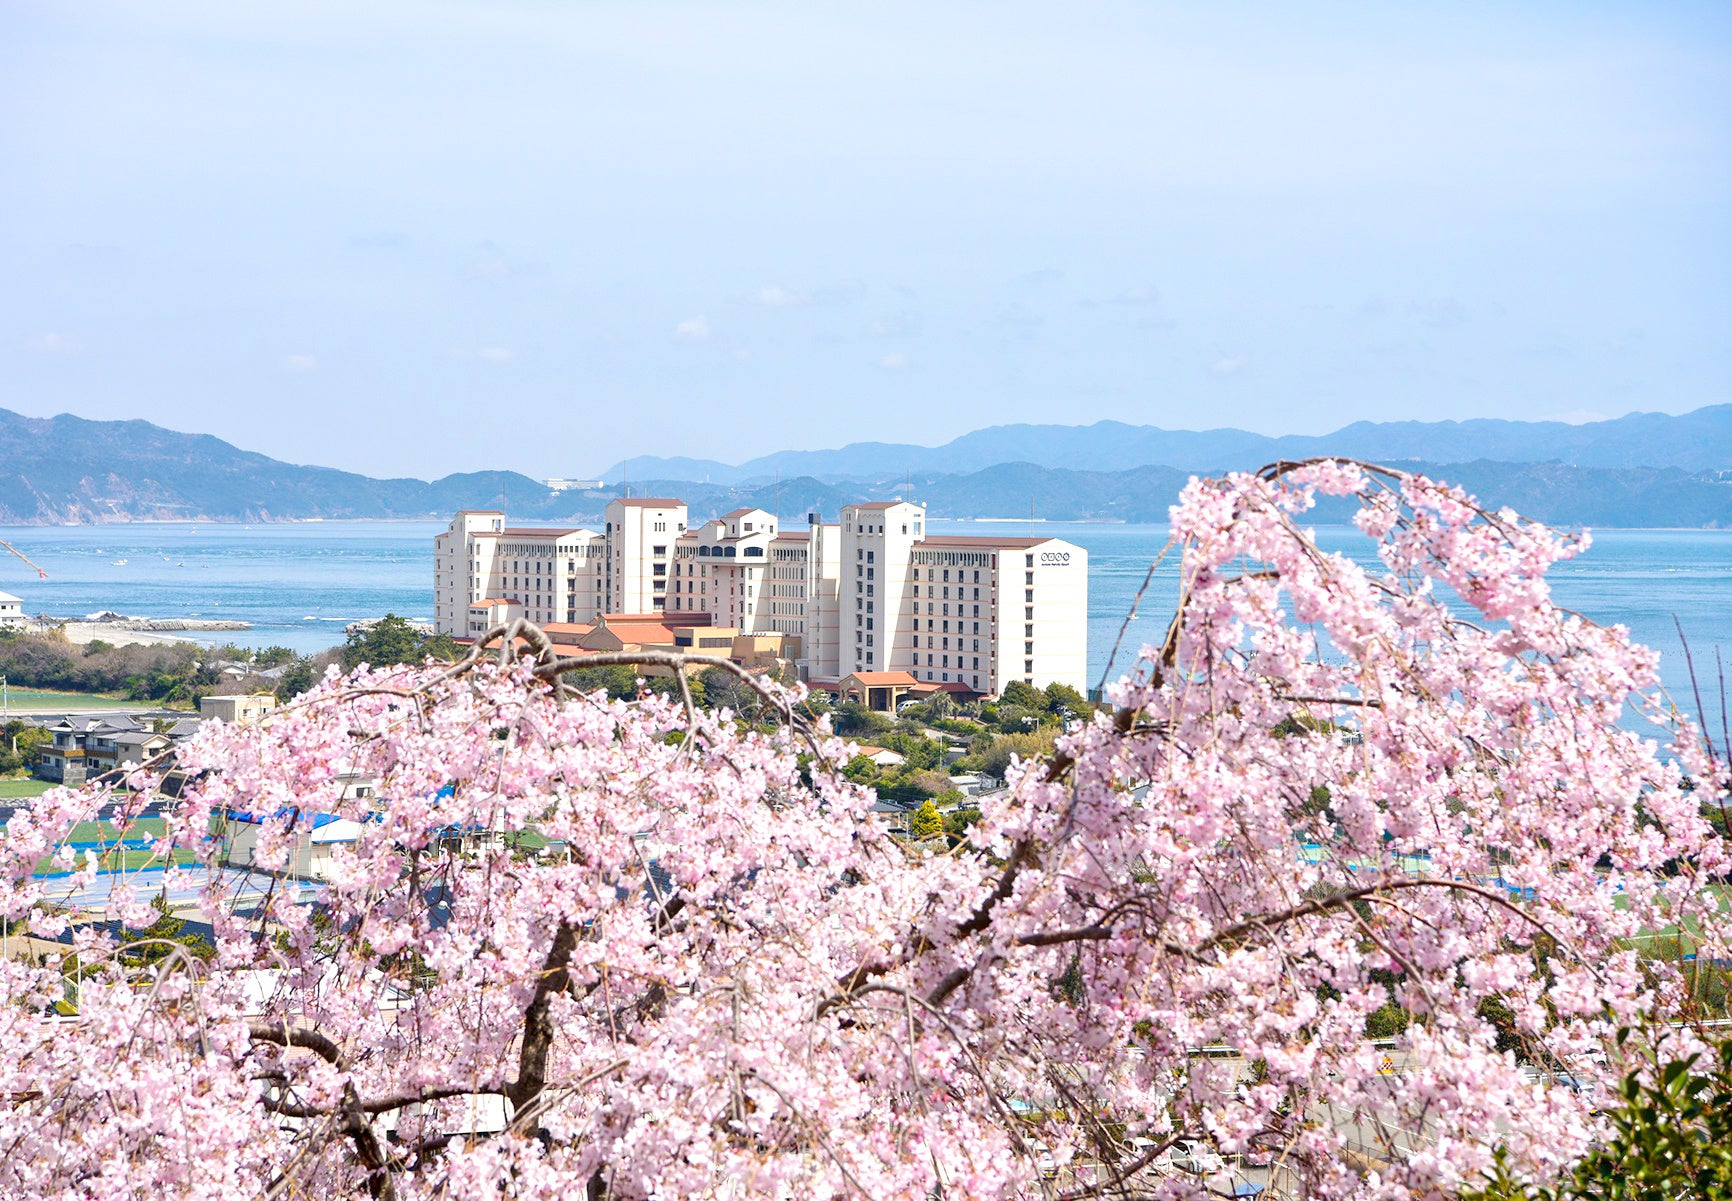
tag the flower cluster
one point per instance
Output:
(630, 947)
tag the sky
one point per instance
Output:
(418, 238)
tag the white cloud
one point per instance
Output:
(693, 329)
(52, 343)
(1229, 364)
(496, 354)
(894, 361)
(775, 296)
(299, 362)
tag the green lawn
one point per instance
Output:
(11, 790)
(27, 700)
(144, 827)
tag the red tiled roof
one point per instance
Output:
(526, 531)
(880, 504)
(738, 513)
(649, 502)
(491, 602)
(793, 536)
(879, 679)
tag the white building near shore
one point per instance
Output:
(871, 593)
(11, 612)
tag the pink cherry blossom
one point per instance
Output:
(1327, 789)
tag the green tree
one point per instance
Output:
(919, 751)
(926, 821)
(387, 642)
(297, 677)
(274, 656)
(1670, 1138)
(996, 760)
(1025, 696)
(957, 821)
(860, 770)
(1062, 699)
(854, 720)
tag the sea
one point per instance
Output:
(299, 583)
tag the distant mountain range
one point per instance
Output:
(1648, 469)
(1698, 441)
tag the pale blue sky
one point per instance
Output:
(413, 238)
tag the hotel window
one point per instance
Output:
(1028, 578)
(1028, 631)
(659, 551)
(1028, 614)
(1028, 560)
(1028, 670)
(929, 660)
(1028, 596)
(977, 662)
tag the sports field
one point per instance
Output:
(36, 700)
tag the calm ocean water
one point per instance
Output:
(298, 584)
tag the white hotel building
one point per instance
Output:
(873, 592)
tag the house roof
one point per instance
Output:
(739, 513)
(977, 540)
(528, 531)
(880, 679)
(665, 619)
(650, 502)
(8, 598)
(491, 602)
(880, 504)
(481, 512)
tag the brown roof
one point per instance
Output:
(879, 679)
(976, 540)
(880, 504)
(738, 513)
(793, 536)
(481, 512)
(556, 630)
(930, 686)
(674, 618)
(649, 502)
(526, 531)
(490, 602)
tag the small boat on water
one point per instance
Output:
(118, 563)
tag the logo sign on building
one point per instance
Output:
(1055, 558)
